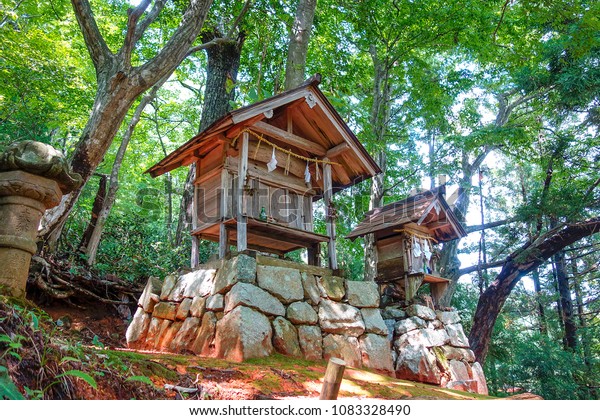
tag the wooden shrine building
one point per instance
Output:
(405, 235)
(260, 168)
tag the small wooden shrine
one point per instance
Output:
(406, 233)
(260, 168)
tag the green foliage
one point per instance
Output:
(8, 390)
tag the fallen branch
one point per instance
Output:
(178, 388)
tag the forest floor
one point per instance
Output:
(64, 352)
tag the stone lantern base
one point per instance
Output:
(23, 199)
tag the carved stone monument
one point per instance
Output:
(33, 177)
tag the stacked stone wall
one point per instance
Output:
(246, 307)
(430, 346)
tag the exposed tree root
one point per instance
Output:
(58, 280)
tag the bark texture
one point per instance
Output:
(295, 67)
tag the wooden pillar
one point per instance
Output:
(195, 254)
(223, 205)
(314, 254)
(242, 239)
(333, 379)
(327, 196)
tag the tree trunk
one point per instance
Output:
(119, 84)
(96, 209)
(295, 67)
(538, 298)
(565, 301)
(90, 244)
(520, 263)
(380, 112)
(221, 75)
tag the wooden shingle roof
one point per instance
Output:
(428, 209)
(303, 117)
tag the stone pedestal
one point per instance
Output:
(33, 178)
(23, 199)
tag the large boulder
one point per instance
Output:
(169, 335)
(362, 294)
(302, 313)
(456, 353)
(416, 363)
(421, 311)
(340, 318)
(376, 353)
(151, 294)
(331, 287)
(311, 342)
(311, 291)
(374, 323)
(215, 303)
(478, 375)
(243, 334)
(409, 324)
(183, 309)
(254, 297)
(392, 312)
(448, 317)
(282, 282)
(285, 338)
(198, 306)
(459, 371)
(457, 335)
(165, 310)
(164, 334)
(342, 347)
(186, 335)
(152, 334)
(204, 342)
(196, 283)
(168, 286)
(240, 268)
(436, 338)
(137, 330)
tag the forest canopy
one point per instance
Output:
(498, 98)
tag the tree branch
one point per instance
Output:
(490, 225)
(133, 15)
(493, 264)
(151, 17)
(99, 51)
(239, 17)
(206, 45)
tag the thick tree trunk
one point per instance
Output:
(221, 75)
(295, 67)
(520, 263)
(119, 84)
(565, 301)
(380, 114)
(90, 245)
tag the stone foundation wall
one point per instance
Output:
(246, 307)
(431, 346)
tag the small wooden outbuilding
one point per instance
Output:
(260, 168)
(405, 234)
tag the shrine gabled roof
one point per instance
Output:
(306, 115)
(428, 209)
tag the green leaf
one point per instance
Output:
(8, 390)
(35, 322)
(143, 379)
(81, 375)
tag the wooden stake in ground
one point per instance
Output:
(332, 379)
